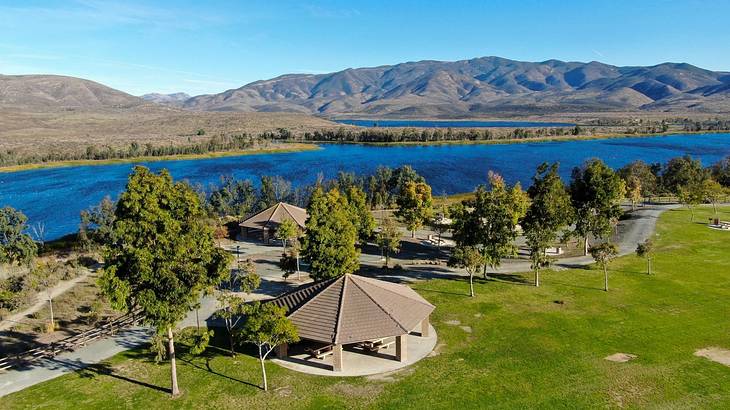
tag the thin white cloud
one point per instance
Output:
(598, 53)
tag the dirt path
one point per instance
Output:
(41, 299)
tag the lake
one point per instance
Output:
(55, 196)
(453, 124)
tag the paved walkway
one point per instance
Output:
(632, 231)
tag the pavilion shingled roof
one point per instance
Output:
(353, 308)
(273, 216)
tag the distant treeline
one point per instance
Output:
(134, 149)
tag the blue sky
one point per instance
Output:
(210, 46)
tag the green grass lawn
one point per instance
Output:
(523, 350)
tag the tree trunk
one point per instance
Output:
(537, 278)
(263, 369)
(197, 318)
(605, 278)
(692, 211)
(173, 368)
(585, 246)
(299, 275)
(471, 284)
(229, 328)
(484, 271)
(387, 260)
(50, 307)
(413, 234)
(648, 260)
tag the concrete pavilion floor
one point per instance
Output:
(357, 362)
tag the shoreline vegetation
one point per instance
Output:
(288, 141)
(275, 149)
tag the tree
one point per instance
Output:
(330, 235)
(713, 192)
(682, 172)
(488, 222)
(232, 307)
(273, 190)
(603, 254)
(361, 215)
(414, 205)
(550, 210)
(644, 172)
(43, 277)
(721, 172)
(163, 254)
(646, 250)
(595, 192)
(470, 259)
(16, 246)
(286, 231)
(691, 195)
(97, 223)
(633, 191)
(233, 197)
(388, 238)
(267, 326)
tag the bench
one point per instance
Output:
(376, 345)
(322, 352)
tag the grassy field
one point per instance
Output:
(516, 346)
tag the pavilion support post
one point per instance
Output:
(401, 348)
(266, 236)
(337, 358)
(282, 350)
(425, 327)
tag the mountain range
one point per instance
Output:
(481, 86)
(477, 87)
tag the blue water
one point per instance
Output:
(452, 124)
(56, 196)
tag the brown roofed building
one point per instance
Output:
(267, 221)
(353, 309)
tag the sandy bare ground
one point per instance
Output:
(74, 130)
(620, 357)
(716, 354)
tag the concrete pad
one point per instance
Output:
(716, 354)
(357, 362)
(620, 357)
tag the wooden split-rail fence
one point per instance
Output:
(71, 343)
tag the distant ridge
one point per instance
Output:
(175, 99)
(43, 92)
(481, 86)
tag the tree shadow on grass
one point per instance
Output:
(508, 278)
(91, 371)
(210, 370)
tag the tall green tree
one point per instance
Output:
(596, 192)
(683, 172)
(267, 326)
(645, 173)
(721, 172)
(330, 236)
(16, 245)
(415, 205)
(388, 238)
(361, 215)
(163, 254)
(550, 211)
(603, 254)
(488, 222)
